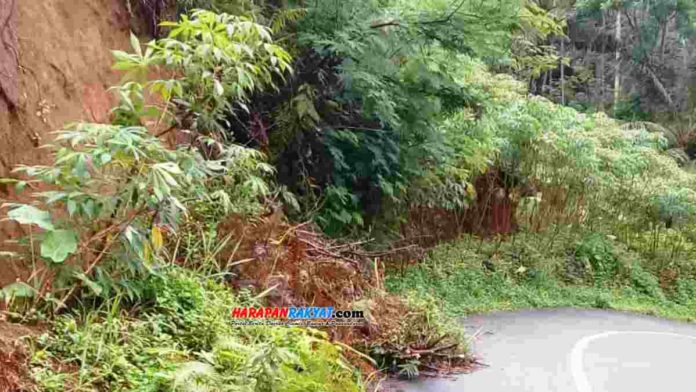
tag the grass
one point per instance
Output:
(534, 271)
(179, 338)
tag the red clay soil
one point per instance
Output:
(55, 67)
(9, 54)
(13, 357)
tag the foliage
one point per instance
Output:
(649, 34)
(119, 190)
(649, 19)
(396, 85)
(424, 338)
(393, 105)
(597, 251)
(534, 271)
(531, 54)
(217, 61)
(589, 169)
(232, 7)
(181, 339)
(630, 110)
(419, 114)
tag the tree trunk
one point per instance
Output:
(659, 85)
(617, 69)
(563, 100)
(602, 62)
(544, 78)
(665, 31)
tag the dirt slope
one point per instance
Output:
(55, 67)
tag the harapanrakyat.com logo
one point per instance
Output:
(306, 316)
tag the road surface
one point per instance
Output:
(570, 350)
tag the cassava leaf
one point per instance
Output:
(156, 238)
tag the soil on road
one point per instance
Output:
(570, 350)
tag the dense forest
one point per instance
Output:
(416, 160)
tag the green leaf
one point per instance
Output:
(88, 208)
(72, 207)
(57, 245)
(17, 290)
(105, 158)
(94, 286)
(29, 215)
(219, 90)
(135, 43)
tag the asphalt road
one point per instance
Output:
(570, 350)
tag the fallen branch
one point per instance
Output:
(435, 349)
(326, 252)
(394, 23)
(383, 253)
(433, 352)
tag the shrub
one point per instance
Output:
(117, 192)
(686, 290)
(217, 61)
(645, 282)
(597, 251)
(181, 339)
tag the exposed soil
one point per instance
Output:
(55, 63)
(13, 357)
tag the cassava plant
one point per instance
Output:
(215, 61)
(116, 191)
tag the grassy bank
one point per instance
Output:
(537, 271)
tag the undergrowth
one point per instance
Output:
(543, 270)
(366, 111)
(179, 338)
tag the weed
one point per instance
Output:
(180, 338)
(472, 276)
(598, 252)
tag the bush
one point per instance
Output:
(598, 252)
(181, 339)
(529, 271)
(686, 291)
(645, 282)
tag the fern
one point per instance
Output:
(282, 17)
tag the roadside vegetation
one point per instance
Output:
(180, 339)
(544, 271)
(313, 153)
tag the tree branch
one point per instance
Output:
(395, 23)
(450, 16)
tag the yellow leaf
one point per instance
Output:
(156, 238)
(147, 253)
(470, 189)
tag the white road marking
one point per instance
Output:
(576, 367)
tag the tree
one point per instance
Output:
(653, 26)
